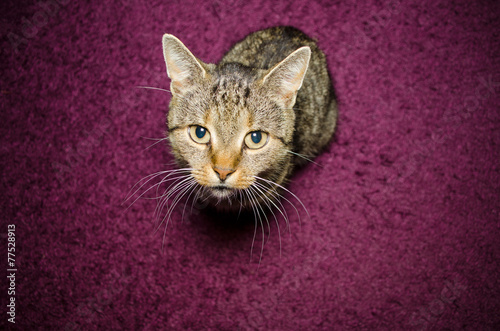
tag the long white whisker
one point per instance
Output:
(241, 203)
(180, 192)
(196, 197)
(281, 196)
(158, 141)
(255, 227)
(163, 199)
(272, 191)
(285, 189)
(170, 172)
(173, 181)
(255, 196)
(192, 188)
(153, 88)
(265, 199)
(179, 185)
(130, 195)
(255, 202)
(304, 157)
(152, 175)
(274, 194)
(171, 209)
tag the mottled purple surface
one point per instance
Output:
(404, 229)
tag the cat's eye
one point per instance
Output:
(199, 134)
(256, 139)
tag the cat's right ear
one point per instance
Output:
(182, 66)
(285, 79)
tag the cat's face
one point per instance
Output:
(228, 139)
(231, 126)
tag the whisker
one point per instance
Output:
(255, 203)
(158, 141)
(149, 138)
(153, 88)
(241, 204)
(193, 186)
(304, 157)
(180, 192)
(255, 196)
(262, 194)
(151, 177)
(130, 195)
(167, 193)
(169, 164)
(157, 185)
(255, 227)
(196, 197)
(179, 185)
(171, 209)
(277, 197)
(285, 189)
(173, 181)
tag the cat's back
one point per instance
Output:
(263, 49)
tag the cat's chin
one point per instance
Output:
(222, 192)
(223, 198)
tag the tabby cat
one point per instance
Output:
(238, 128)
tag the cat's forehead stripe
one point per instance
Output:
(231, 94)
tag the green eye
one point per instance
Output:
(256, 139)
(199, 134)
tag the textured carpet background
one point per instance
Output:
(404, 228)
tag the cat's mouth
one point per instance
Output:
(222, 191)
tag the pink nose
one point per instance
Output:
(223, 173)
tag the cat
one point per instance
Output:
(238, 129)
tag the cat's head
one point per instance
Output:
(231, 125)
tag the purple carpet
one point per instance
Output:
(404, 226)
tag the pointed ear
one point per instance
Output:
(182, 66)
(285, 78)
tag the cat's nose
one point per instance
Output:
(223, 173)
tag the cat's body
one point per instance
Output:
(240, 127)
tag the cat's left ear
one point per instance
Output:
(182, 66)
(285, 78)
